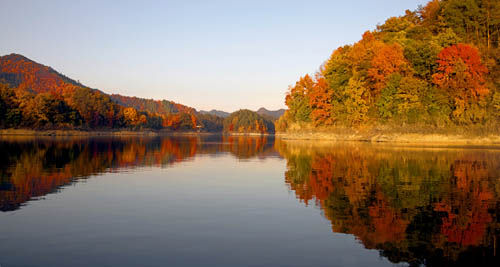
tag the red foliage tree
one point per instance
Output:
(320, 99)
(462, 75)
(386, 61)
(461, 72)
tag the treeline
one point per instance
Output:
(36, 96)
(247, 121)
(82, 108)
(438, 66)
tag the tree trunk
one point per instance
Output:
(488, 14)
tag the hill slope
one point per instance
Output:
(247, 121)
(36, 96)
(150, 105)
(20, 72)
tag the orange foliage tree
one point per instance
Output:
(461, 74)
(320, 100)
(297, 99)
(387, 60)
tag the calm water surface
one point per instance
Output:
(245, 201)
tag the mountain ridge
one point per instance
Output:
(274, 114)
(37, 96)
(215, 112)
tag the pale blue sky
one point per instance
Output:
(206, 54)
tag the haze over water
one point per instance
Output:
(245, 201)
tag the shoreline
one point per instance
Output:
(91, 133)
(396, 138)
(433, 139)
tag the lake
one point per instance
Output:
(245, 201)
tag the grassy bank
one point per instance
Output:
(400, 134)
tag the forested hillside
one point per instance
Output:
(151, 105)
(436, 67)
(36, 96)
(247, 121)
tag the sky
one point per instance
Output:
(223, 55)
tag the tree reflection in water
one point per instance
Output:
(34, 167)
(435, 207)
(430, 206)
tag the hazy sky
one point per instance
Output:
(205, 54)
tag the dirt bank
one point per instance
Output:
(408, 138)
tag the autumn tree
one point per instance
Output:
(408, 98)
(362, 53)
(430, 14)
(357, 99)
(463, 17)
(46, 109)
(461, 75)
(386, 103)
(337, 71)
(247, 121)
(422, 56)
(97, 109)
(179, 121)
(130, 116)
(388, 59)
(297, 99)
(10, 113)
(320, 101)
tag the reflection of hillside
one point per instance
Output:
(420, 206)
(245, 147)
(32, 168)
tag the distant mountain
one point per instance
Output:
(218, 113)
(273, 114)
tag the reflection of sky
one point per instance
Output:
(206, 212)
(193, 52)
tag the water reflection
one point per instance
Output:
(433, 207)
(31, 168)
(422, 206)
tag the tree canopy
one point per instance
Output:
(436, 66)
(247, 121)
